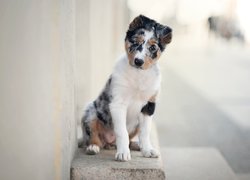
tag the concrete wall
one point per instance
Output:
(55, 56)
(100, 33)
(37, 115)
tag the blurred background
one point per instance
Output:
(205, 97)
(55, 57)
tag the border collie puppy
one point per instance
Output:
(125, 106)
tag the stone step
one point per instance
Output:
(243, 176)
(104, 166)
(193, 163)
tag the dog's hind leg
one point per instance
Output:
(133, 144)
(95, 142)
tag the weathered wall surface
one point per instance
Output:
(37, 115)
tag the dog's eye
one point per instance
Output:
(152, 48)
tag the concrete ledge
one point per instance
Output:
(104, 166)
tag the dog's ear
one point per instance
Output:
(139, 22)
(136, 23)
(164, 34)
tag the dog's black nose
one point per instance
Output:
(138, 62)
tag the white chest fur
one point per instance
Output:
(133, 88)
(134, 84)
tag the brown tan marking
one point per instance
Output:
(139, 38)
(148, 62)
(134, 133)
(130, 54)
(152, 41)
(134, 145)
(96, 129)
(158, 54)
(167, 38)
(100, 135)
(153, 98)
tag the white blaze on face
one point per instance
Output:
(147, 36)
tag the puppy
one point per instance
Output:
(125, 106)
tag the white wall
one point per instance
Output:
(37, 117)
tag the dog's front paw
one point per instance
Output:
(150, 153)
(123, 155)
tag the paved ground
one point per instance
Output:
(205, 98)
(196, 164)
